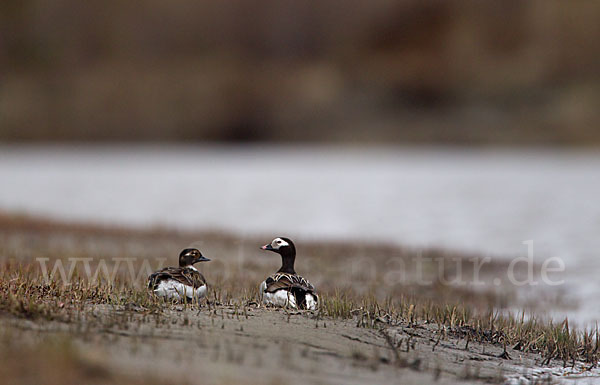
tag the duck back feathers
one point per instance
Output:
(302, 293)
(188, 276)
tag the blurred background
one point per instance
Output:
(442, 71)
(464, 125)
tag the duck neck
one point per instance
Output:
(287, 263)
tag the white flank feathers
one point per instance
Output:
(311, 302)
(172, 289)
(283, 298)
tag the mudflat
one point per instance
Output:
(227, 345)
(104, 328)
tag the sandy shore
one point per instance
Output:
(225, 345)
(90, 334)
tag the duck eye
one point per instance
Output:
(279, 242)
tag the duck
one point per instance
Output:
(286, 288)
(183, 283)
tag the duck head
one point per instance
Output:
(286, 248)
(190, 256)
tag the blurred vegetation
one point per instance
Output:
(409, 71)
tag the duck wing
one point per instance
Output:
(287, 281)
(184, 275)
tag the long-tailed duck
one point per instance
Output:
(183, 282)
(285, 287)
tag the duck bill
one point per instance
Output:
(267, 247)
(201, 259)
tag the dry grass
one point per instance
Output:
(25, 293)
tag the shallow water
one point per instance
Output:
(484, 201)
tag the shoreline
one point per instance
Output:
(418, 332)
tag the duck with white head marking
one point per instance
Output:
(286, 288)
(180, 283)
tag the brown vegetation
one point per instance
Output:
(408, 327)
(379, 71)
